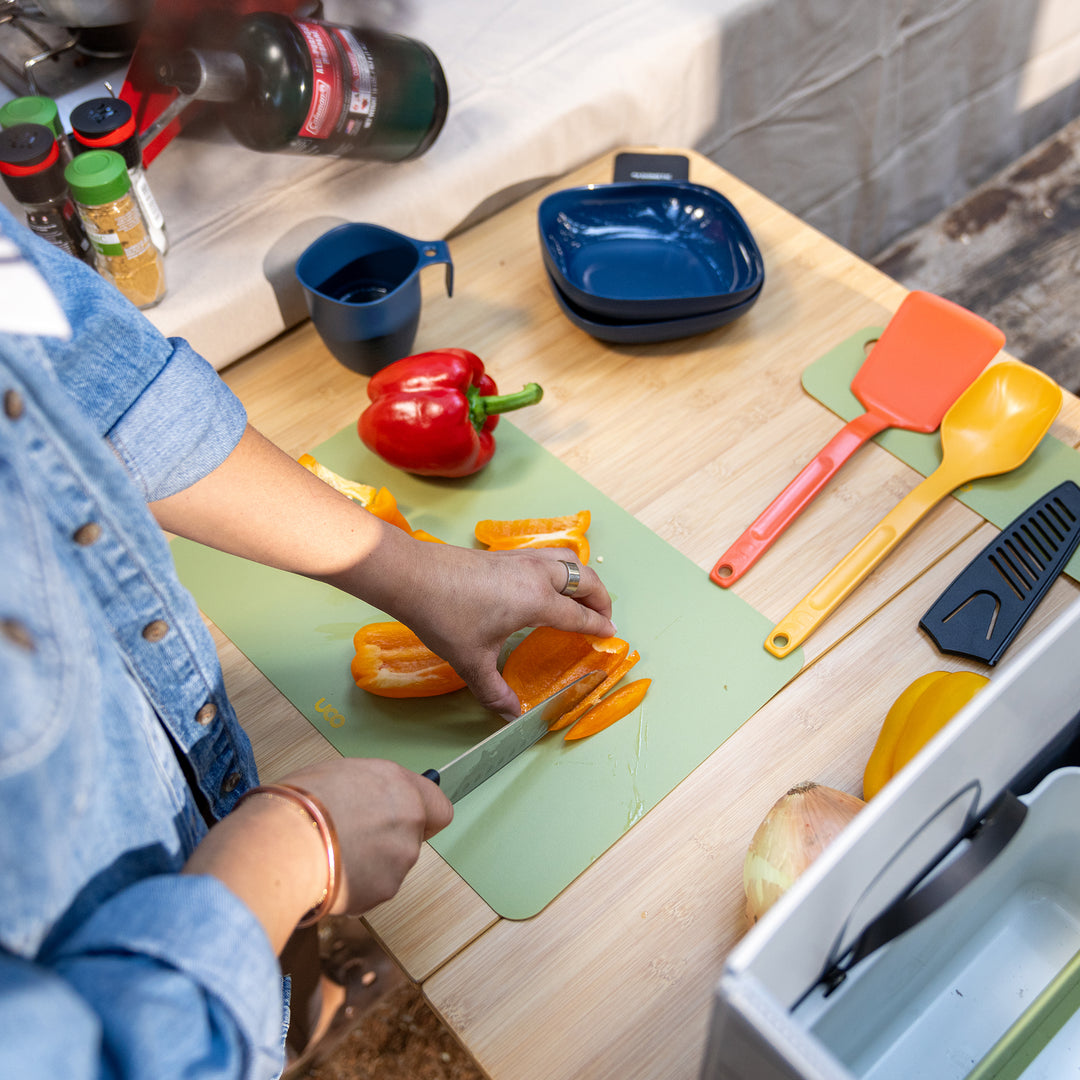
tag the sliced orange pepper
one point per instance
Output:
(615, 706)
(594, 697)
(391, 661)
(549, 659)
(378, 500)
(423, 534)
(568, 531)
(385, 506)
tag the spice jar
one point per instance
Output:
(108, 123)
(33, 172)
(35, 109)
(124, 254)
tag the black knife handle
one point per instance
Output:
(432, 775)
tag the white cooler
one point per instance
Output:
(938, 937)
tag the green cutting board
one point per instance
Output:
(525, 834)
(999, 499)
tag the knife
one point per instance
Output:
(486, 758)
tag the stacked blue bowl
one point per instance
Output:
(648, 261)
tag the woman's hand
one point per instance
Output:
(268, 854)
(471, 601)
(382, 813)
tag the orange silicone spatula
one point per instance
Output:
(926, 357)
(993, 428)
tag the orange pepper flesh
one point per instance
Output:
(379, 501)
(615, 706)
(385, 506)
(391, 661)
(548, 659)
(423, 534)
(568, 532)
(594, 697)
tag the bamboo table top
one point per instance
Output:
(693, 437)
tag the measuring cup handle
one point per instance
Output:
(791, 502)
(829, 593)
(437, 251)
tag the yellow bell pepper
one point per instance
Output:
(916, 716)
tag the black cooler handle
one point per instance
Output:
(987, 837)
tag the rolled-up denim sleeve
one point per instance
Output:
(144, 991)
(181, 427)
(164, 408)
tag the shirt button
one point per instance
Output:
(13, 404)
(87, 534)
(156, 630)
(230, 782)
(206, 714)
(17, 633)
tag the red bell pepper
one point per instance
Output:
(434, 413)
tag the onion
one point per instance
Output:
(794, 833)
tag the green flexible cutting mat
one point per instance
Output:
(999, 499)
(525, 834)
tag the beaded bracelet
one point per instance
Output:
(320, 819)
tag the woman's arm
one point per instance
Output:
(462, 603)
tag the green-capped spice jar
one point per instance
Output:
(124, 253)
(36, 109)
(108, 123)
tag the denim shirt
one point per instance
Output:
(116, 738)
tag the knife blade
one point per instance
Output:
(470, 769)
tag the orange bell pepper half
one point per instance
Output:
(378, 500)
(391, 661)
(586, 703)
(568, 531)
(615, 706)
(548, 659)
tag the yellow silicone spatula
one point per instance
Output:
(992, 428)
(926, 357)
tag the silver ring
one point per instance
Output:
(573, 578)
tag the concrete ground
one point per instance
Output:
(1010, 252)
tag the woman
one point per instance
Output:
(146, 891)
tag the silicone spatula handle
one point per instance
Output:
(791, 502)
(831, 591)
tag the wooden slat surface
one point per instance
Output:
(694, 437)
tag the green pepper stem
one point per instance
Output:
(481, 407)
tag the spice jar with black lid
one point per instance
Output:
(37, 109)
(108, 123)
(124, 254)
(33, 171)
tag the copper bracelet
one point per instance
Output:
(328, 834)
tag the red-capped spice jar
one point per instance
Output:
(108, 123)
(33, 171)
